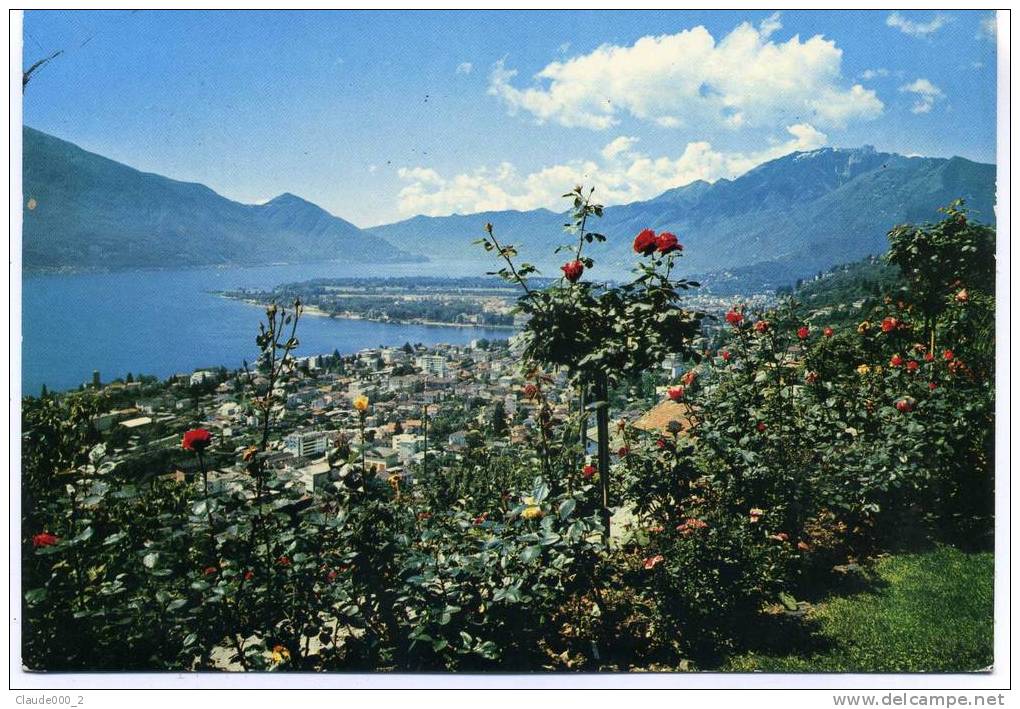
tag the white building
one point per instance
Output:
(201, 376)
(433, 365)
(406, 445)
(307, 443)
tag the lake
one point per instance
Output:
(163, 322)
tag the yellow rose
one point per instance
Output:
(361, 403)
(864, 327)
(532, 512)
(280, 654)
(863, 369)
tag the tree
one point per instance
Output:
(499, 419)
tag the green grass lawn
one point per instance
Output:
(926, 612)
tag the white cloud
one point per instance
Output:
(918, 29)
(619, 145)
(465, 68)
(623, 175)
(926, 94)
(742, 80)
(869, 74)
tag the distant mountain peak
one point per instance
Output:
(289, 198)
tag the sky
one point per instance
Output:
(379, 116)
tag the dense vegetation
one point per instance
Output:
(800, 446)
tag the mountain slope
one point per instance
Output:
(89, 212)
(785, 219)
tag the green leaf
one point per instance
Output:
(788, 601)
(567, 507)
(34, 596)
(530, 554)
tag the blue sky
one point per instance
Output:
(377, 116)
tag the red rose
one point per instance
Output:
(249, 575)
(283, 561)
(948, 355)
(530, 391)
(828, 332)
(645, 243)
(811, 377)
(932, 385)
(725, 354)
(804, 332)
(675, 393)
(481, 518)
(623, 452)
(197, 439)
(331, 576)
(912, 365)
(588, 472)
(904, 406)
(928, 357)
(210, 570)
(761, 427)
(572, 270)
(889, 324)
(44, 539)
(896, 361)
(761, 326)
(666, 243)
(689, 377)
(734, 318)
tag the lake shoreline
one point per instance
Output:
(316, 311)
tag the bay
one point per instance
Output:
(168, 321)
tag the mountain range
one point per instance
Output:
(785, 219)
(86, 212)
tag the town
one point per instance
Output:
(442, 400)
